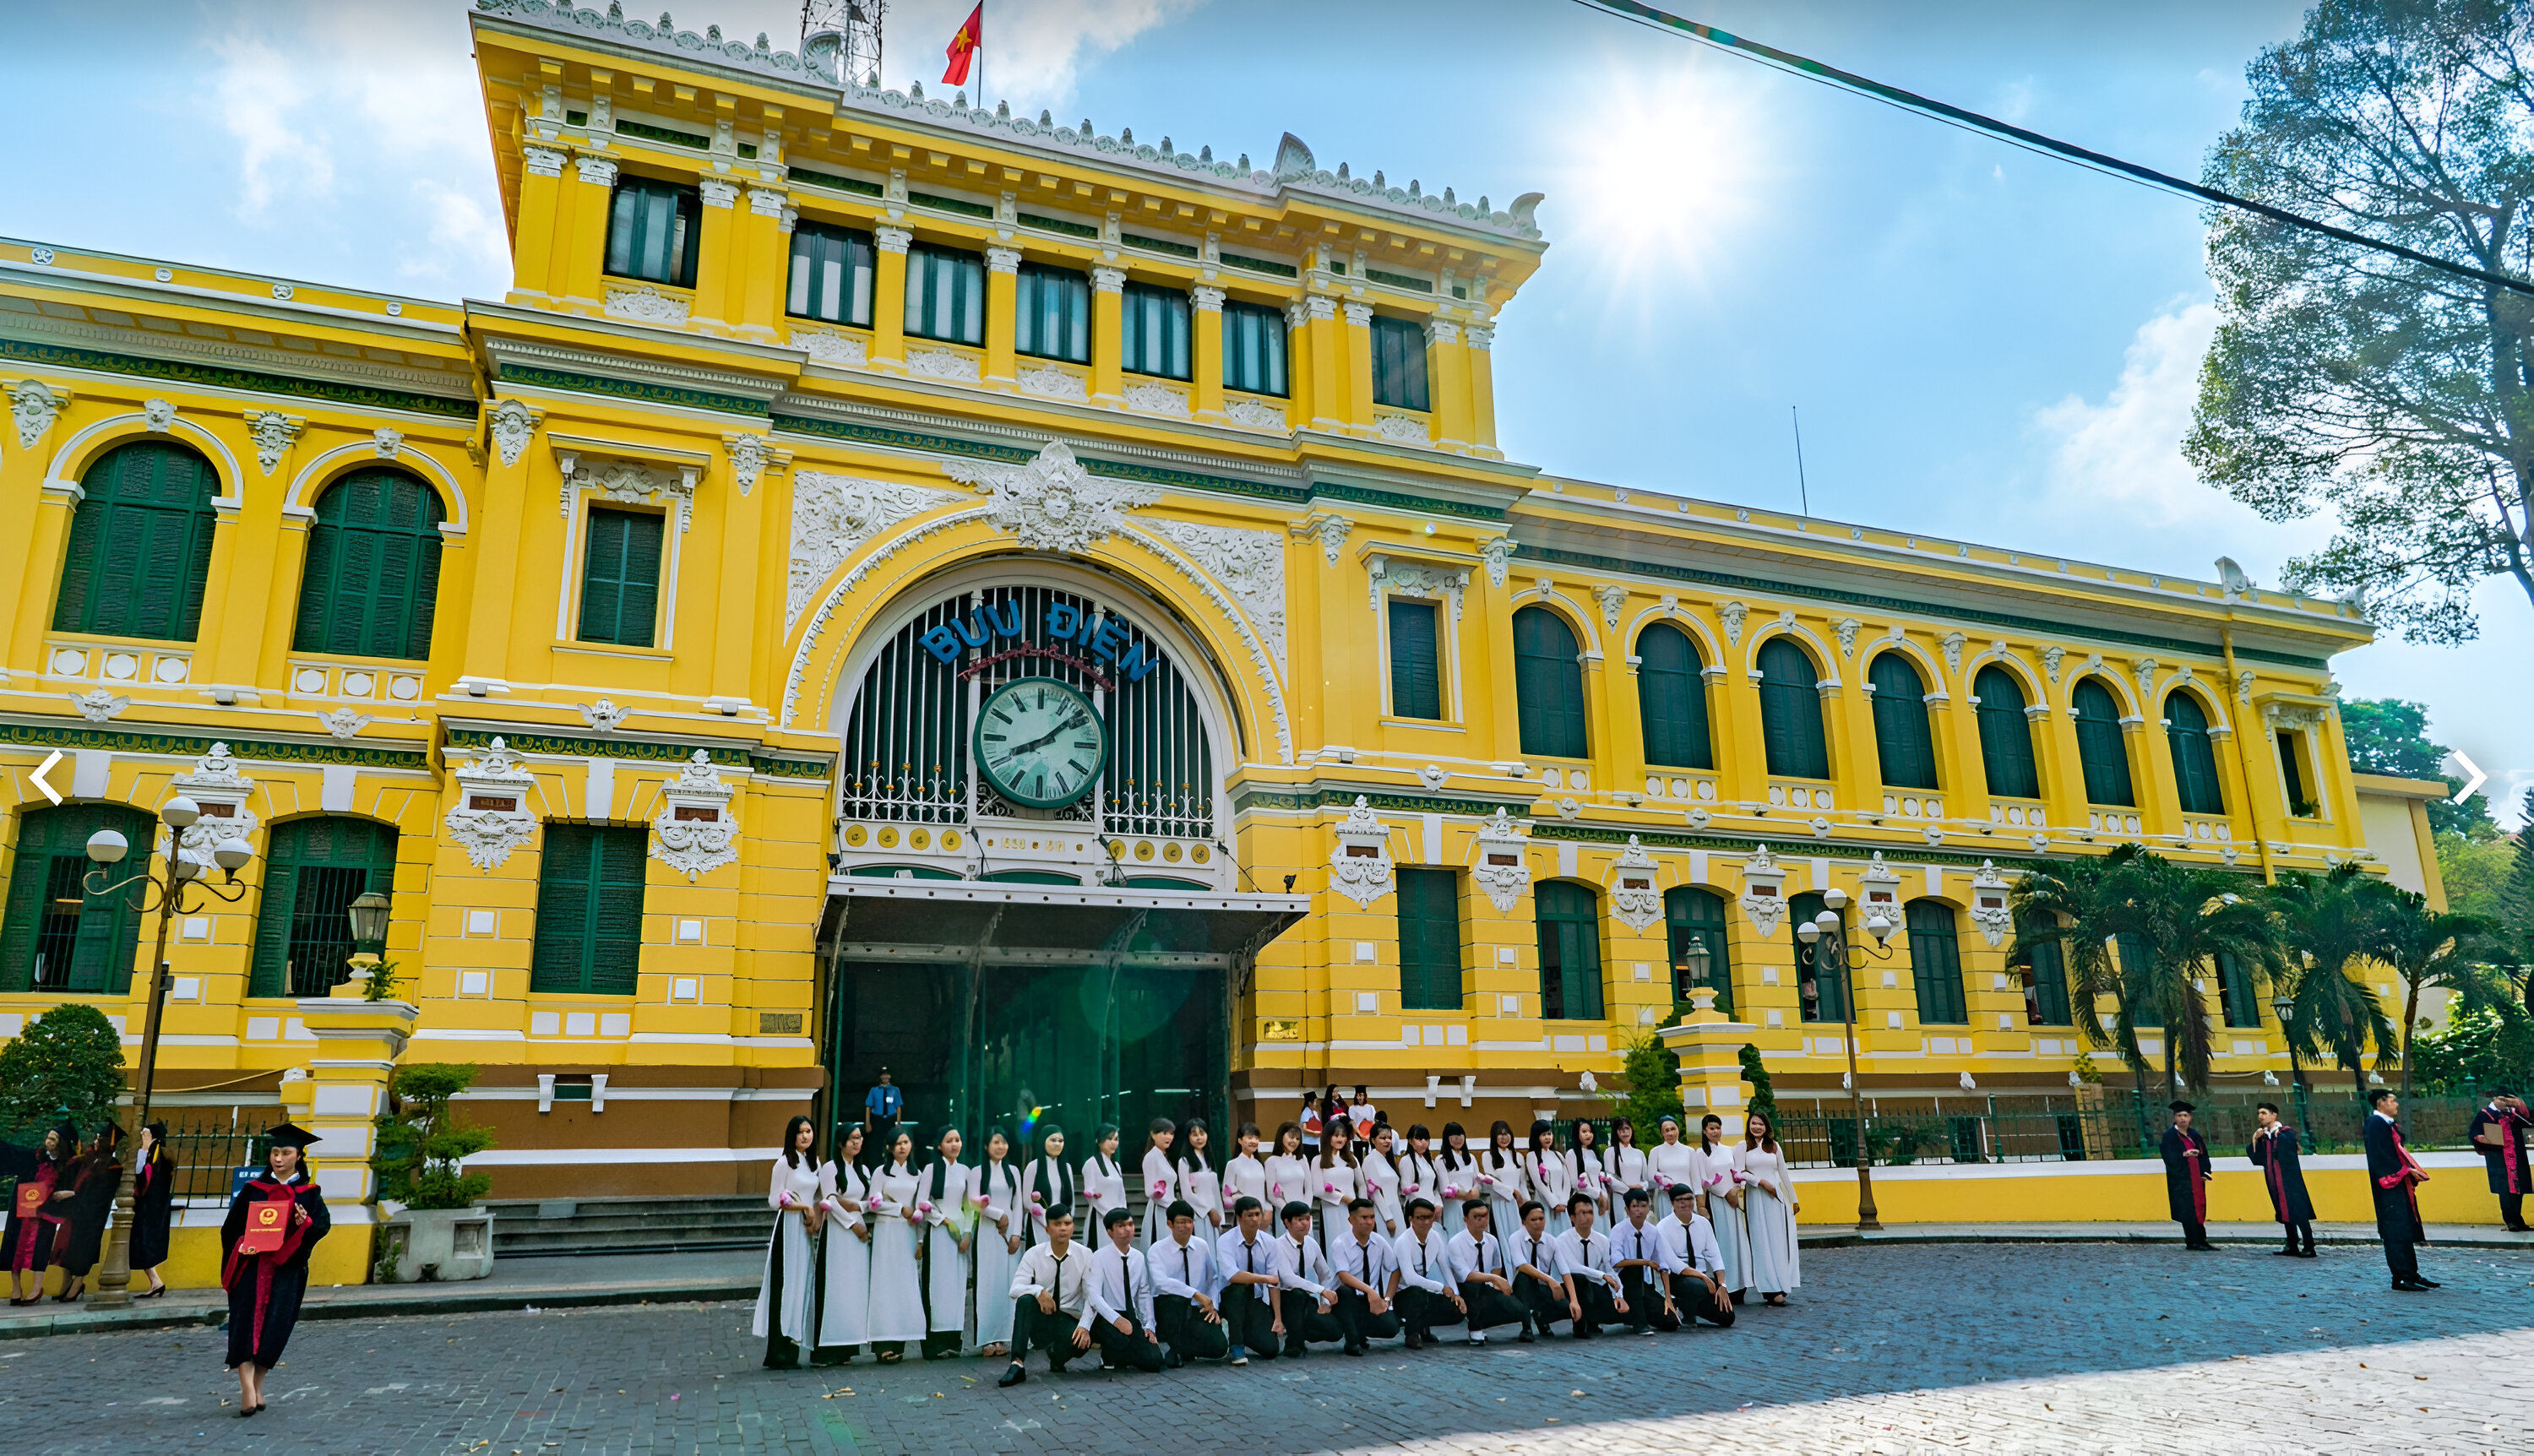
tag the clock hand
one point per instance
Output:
(1050, 736)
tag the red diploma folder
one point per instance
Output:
(267, 1223)
(30, 1198)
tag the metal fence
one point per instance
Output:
(206, 1155)
(2070, 1129)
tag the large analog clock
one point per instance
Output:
(1040, 743)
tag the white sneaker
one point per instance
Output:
(1239, 1360)
(1478, 1338)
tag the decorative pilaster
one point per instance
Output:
(579, 269)
(888, 299)
(1002, 290)
(1447, 373)
(717, 269)
(757, 299)
(1205, 311)
(1481, 340)
(541, 196)
(1358, 368)
(1315, 318)
(1107, 347)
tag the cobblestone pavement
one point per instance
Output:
(2003, 1346)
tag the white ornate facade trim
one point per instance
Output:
(1731, 614)
(1408, 578)
(1952, 645)
(1249, 565)
(827, 346)
(752, 456)
(271, 431)
(603, 717)
(647, 305)
(1763, 883)
(947, 364)
(387, 441)
(491, 817)
(1051, 383)
(1633, 898)
(1503, 869)
(1155, 398)
(695, 833)
(98, 706)
(1403, 429)
(1497, 552)
(808, 643)
(220, 791)
(1359, 866)
(1051, 504)
(33, 405)
(630, 482)
(2051, 657)
(1264, 666)
(1989, 910)
(832, 515)
(512, 423)
(342, 722)
(1255, 414)
(158, 415)
(1611, 597)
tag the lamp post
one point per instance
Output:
(2285, 1005)
(1827, 936)
(184, 874)
(369, 916)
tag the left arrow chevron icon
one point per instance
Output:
(55, 757)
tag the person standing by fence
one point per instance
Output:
(2274, 1152)
(2394, 1177)
(2498, 1134)
(2186, 1179)
(154, 1207)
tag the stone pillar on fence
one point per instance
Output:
(1710, 1049)
(345, 1089)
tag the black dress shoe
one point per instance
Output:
(1526, 1337)
(1416, 1340)
(2305, 1254)
(1015, 1375)
(1355, 1350)
(2424, 1282)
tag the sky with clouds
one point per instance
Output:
(1981, 343)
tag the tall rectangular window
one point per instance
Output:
(1570, 951)
(2045, 994)
(589, 911)
(1429, 940)
(652, 231)
(1821, 986)
(1399, 363)
(832, 274)
(946, 295)
(1153, 331)
(1416, 660)
(620, 577)
(1253, 349)
(2292, 768)
(2235, 988)
(1052, 315)
(1936, 963)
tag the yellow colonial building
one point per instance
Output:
(896, 583)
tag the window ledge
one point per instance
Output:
(611, 650)
(1439, 725)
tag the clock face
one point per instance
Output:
(1040, 743)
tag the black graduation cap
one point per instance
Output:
(289, 1135)
(2184, 1107)
(2496, 1092)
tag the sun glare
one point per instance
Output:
(1662, 169)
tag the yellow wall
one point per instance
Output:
(2127, 1192)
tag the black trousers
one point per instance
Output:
(2193, 1233)
(1645, 1301)
(1423, 1311)
(1185, 1329)
(2511, 1210)
(1033, 1329)
(1126, 1349)
(1690, 1293)
(1600, 1307)
(1543, 1304)
(2302, 1229)
(1490, 1305)
(1361, 1326)
(2397, 1224)
(1304, 1323)
(1250, 1324)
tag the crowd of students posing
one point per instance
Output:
(1374, 1234)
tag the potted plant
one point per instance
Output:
(433, 1228)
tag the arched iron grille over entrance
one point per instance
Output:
(905, 737)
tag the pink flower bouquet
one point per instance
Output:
(871, 1204)
(1161, 1189)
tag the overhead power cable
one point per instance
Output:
(2030, 140)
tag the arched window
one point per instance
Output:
(1936, 961)
(1548, 685)
(1671, 699)
(1820, 990)
(315, 868)
(1790, 715)
(2006, 735)
(1900, 737)
(1696, 916)
(2099, 746)
(373, 574)
(2195, 764)
(55, 936)
(1570, 951)
(140, 544)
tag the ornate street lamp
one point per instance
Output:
(178, 893)
(2285, 1005)
(369, 916)
(1827, 936)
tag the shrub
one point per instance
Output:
(1651, 1073)
(1764, 1098)
(421, 1142)
(67, 1063)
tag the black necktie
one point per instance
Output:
(1187, 1268)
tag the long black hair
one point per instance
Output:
(944, 1161)
(1060, 1190)
(792, 1131)
(1100, 1138)
(1453, 1158)
(988, 1181)
(1187, 1156)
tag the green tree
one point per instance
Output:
(1764, 1096)
(422, 1144)
(2391, 395)
(2390, 736)
(67, 1063)
(2068, 902)
(2479, 1046)
(1649, 1073)
(2428, 947)
(2327, 924)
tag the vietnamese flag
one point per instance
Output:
(963, 47)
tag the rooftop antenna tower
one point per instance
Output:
(856, 24)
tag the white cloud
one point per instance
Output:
(460, 230)
(1033, 53)
(2126, 452)
(260, 101)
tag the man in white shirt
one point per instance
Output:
(1429, 1295)
(1121, 1297)
(1478, 1262)
(1697, 1287)
(1306, 1295)
(1539, 1281)
(1050, 1300)
(1246, 1255)
(1645, 1266)
(1599, 1298)
(1184, 1285)
(1367, 1274)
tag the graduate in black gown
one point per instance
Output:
(2274, 1152)
(2498, 1134)
(2393, 1176)
(2186, 1179)
(265, 1288)
(154, 1207)
(97, 1179)
(29, 1246)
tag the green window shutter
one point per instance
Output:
(22, 917)
(141, 545)
(1429, 940)
(1695, 915)
(1819, 997)
(1153, 331)
(654, 229)
(1548, 685)
(2100, 746)
(2050, 985)
(1936, 963)
(269, 972)
(54, 934)
(616, 912)
(1253, 348)
(314, 868)
(373, 576)
(1399, 363)
(1671, 699)
(2006, 736)
(2195, 764)
(1903, 741)
(1415, 668)
(1570, 951)
(620, 578)
(1790, 715)
(2235, 989)
(589, 911)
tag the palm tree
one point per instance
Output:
(2433, 947)
(2062, 905)
(2327, 923)
(2186, 919)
